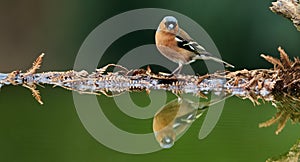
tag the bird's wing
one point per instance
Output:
(186, 42)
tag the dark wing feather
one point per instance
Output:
(191, 46)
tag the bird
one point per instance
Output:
(176, 45)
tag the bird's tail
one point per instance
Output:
(208, 57)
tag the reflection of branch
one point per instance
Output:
(290, 9)
(292, 155)
(286, 91)
(265, 84)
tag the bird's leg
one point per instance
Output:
(178, 69)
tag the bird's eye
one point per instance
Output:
(170, 25)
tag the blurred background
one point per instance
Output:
(241, 30)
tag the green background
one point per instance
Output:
(242, 30)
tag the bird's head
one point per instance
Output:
(169, 24)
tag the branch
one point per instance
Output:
(279, 85)
(289, 9)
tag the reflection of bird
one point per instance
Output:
(175, 44)
(172, 120)
(175, 118)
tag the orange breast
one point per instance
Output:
(166, 44)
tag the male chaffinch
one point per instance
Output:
(175, 44)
